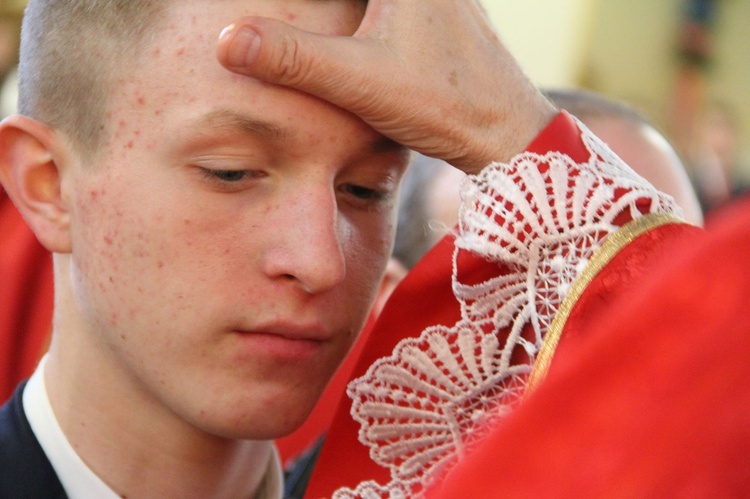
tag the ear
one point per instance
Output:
(30, 173)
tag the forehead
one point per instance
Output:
(333, 17)
(197, 23)
(190, 28)
(177, 74)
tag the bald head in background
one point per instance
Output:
(430, 190)
(636, 141)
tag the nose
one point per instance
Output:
(308, 248)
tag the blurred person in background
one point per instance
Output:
(9, 35)
(629, 133)
(695, 55)
(717, 163)
(705, 132)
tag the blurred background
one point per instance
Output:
(684, 63)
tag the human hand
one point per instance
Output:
(432, 76)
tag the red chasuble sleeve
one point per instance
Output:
(648, 397)
(455, 346)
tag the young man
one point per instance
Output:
(218, 240)
(217, 243)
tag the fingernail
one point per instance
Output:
(244, 45)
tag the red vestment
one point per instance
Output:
(425, 303)
(26, 296)
(646, 398)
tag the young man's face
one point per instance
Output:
(229, 241)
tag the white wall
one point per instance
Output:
(625, 49)
(547, 36)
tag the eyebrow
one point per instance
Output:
(224, 119)
(228, 120)
(384, 145)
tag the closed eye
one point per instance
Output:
(231, 180)
(225, 175)
(363, 193)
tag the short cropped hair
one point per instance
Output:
(585, 104)
(72, 52)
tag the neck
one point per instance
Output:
(151, 457)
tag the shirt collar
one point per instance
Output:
(76, 478)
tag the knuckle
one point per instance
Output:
(291, 65)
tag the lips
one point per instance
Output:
(285, 341)
(295, 332)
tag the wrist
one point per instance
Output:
(512, 133)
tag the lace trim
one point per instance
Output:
(541, 218)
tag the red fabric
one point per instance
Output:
(26, 295)
(425, 298)
(653, 402)
(632, 264)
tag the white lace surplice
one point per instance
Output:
(541, 216)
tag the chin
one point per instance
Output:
(261, 430)
(250, 429)
(269, 423)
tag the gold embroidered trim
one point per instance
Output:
(599, 260)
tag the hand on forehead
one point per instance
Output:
(406, 74)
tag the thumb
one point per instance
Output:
(328, 67)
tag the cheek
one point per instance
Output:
(115, 253)
(98, 224)
(369, 248)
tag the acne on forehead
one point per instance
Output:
(191, 20)
(178, 66)
(334, 17)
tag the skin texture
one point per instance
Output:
(213, 266)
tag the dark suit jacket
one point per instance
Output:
(25, 471)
